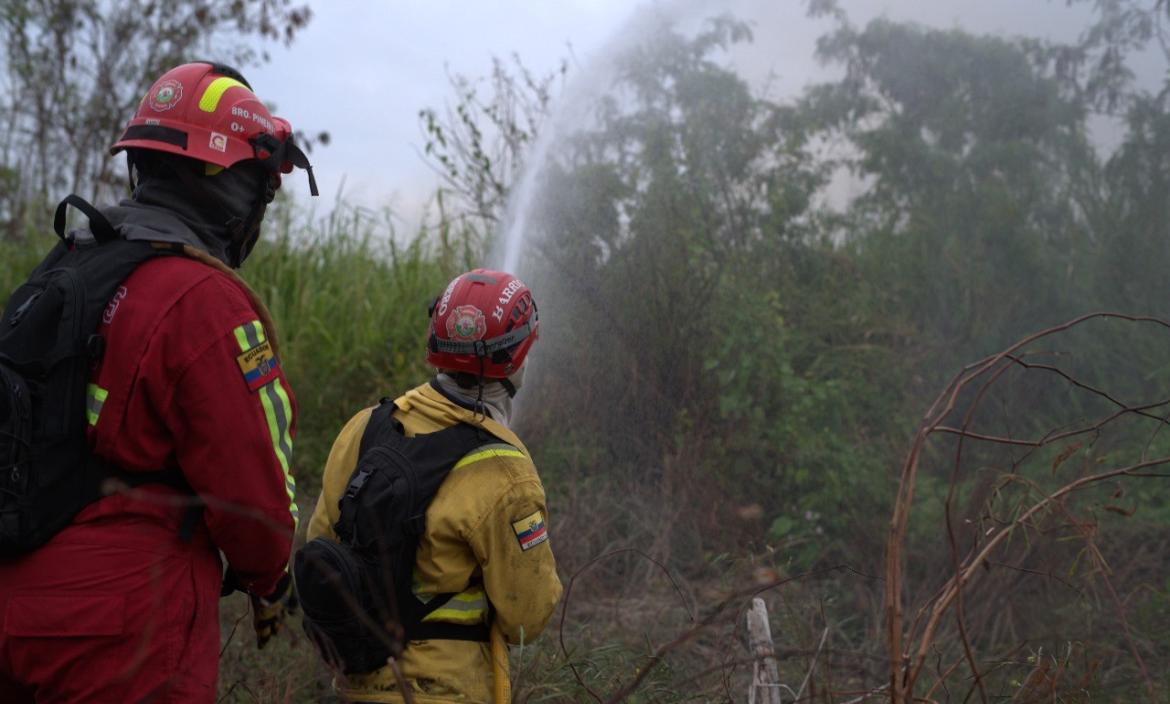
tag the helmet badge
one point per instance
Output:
(166, 95)
(466, 323)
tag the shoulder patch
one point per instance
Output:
(259, 365)
(530, 530)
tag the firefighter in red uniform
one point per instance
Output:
(122, 605)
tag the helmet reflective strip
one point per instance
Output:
(277, 413)
(95, 398)
(210, 100)
(500, 342)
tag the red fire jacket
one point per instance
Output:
(188, 379)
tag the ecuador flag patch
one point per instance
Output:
(530, 530)
(259, 365)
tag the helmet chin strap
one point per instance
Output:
(479, 392)
(512, 382)
(130, 170)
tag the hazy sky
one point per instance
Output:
(362, 70)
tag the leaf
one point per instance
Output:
(781, 527)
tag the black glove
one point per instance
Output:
(269, 612)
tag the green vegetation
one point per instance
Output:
(731, 369)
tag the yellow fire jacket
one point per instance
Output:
(486, 540)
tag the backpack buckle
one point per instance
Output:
(356, 484)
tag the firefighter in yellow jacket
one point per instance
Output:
(486, 536)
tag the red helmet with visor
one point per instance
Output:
(208, 112)
(484, 324)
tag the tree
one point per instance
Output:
(74, 72)
(1132, 242)
(477, 143)
(1096, 70)
(641, 210)
(709, 339)
(976, 166)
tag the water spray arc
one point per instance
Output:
(572, 112)
(522, 200)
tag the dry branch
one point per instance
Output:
(908, 649)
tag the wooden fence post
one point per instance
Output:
(765, 687)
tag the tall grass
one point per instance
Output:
(19, 258)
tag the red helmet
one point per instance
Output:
(208, 112)
(483, 324)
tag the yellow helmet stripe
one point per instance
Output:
(210, 100)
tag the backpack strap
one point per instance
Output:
(440, 630)
(381, 422)
(99, 224)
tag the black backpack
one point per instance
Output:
(48, 346)
(358, 605)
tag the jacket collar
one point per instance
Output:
(427, 400)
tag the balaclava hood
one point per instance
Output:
(222, 210)
(495, 400)
(496, 397)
